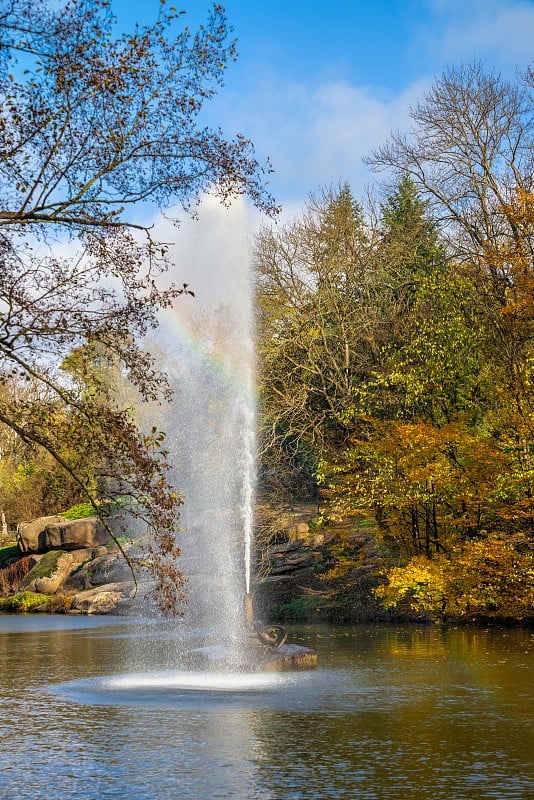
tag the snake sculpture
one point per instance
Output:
(273, 636)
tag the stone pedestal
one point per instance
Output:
(290, 657)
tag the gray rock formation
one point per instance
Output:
(57, 533)
(30, 535)
(52, 570)
(102, 569)
(49, 584)
(108, 599)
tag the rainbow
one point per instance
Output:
(207, 346)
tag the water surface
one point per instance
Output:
(105, 708)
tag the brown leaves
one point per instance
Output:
(106, 122)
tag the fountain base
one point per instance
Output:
(290, 657)
(267, 650)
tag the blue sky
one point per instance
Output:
(318, 84)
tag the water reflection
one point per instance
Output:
(392, 712)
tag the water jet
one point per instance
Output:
(211, 430)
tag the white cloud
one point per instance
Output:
(500, 30)
(349, 121)
(318, 134)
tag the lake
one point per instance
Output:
(97, 708)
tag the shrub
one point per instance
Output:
(296, 611)
(79, 511)
(12, 574)
(488, 579)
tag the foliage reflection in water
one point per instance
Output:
(392, 712)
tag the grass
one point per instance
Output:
(82, 510)
(79, 511)
(25, 602)
(7, 552)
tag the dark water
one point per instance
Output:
(392, 712)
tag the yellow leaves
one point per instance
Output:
(479, 579)
(512, 256)
(412, 460)
(520, 211)
(421, 581)
(429, 486)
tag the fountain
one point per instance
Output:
(211, 429)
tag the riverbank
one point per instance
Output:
(59, 565)
(306, 571)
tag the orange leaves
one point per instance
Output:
(520, 211)
(511, 258)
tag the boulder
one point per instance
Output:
(109, 568)
(285, 547)
(97, 552)
(106, 599)
(75, 534)
(52, 569)
(58, 533)
(49, 584)
(30, 535)
(290, 657)
(299, 531)
(292, 562)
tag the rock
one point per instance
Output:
(291, 565)
(289, 576)
(290, 657)
(57, 569)
(108, 568)
(30, 535)
(103, 599)
(51, 571)
(58, 533)
(299, 531)
(285, 547)
(75, 534)
(60, 566)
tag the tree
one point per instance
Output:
(31, 482)
(471, 153)
(310, 276)
(92, 125)
(487, 579)
(95, 124)
(338, 296)
(398, 465)
(471, 146)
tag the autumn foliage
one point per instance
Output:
(425, 430)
